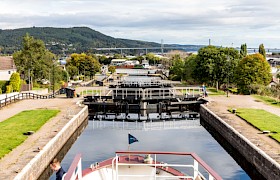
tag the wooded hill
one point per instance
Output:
(68, 40)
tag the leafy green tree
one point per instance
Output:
(189, 66)
(215, 64)
(33, 57)
(243, 50)
(152, 58)
(177, 68)
(15, 82)
(72, 71)
(262, 50)
(86, 64)
(112, 69)
(252, 69)
(3, 85)
(104, 60)
(117, 56)
(9, 89)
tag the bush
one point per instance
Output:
(15, 82)
(9, 89)
(3, 85)
(36, 85)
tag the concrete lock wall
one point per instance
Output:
(38, 164)
(264, 164)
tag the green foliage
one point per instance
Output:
(69, 40)
(117, 56)
(190, 64)
(268, 100)
(9, 89)
(177, 68)
(34, 57)
(243, 50)
(15, 82)
(72, 71)
(152, 58)
(3, 85)
(12, 129)
(104, 60)
(85, 64)
(214, 92)
(261, 119)
(215, 64)
(253, 69)
(112, 69)
(262, 50)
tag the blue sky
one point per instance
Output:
(225, 22)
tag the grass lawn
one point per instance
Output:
(12, 129)
(268, 100)
(213, 91)
(262, 120)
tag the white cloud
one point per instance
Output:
(176, 21)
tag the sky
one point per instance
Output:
(226, 22)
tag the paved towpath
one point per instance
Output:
(220, 105)
(13, 162)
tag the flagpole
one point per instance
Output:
(128, 150)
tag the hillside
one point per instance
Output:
(68, 40)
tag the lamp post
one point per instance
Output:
(227, 72)
(53, 75)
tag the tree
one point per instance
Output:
(72, 71)
(112, 69)
(33, 58)
(117, 56)
(86, 64)
(152, 58)
(252, 69)
(262, 50)
(15, 82)
(243, 50)
(177, 68)
(189, 66)
(215, 64)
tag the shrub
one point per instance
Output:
(15, 82)
(3, 85)
(9, 89)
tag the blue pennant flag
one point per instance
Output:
(131, 139)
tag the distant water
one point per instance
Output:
(96, 145)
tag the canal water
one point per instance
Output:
(98, 143)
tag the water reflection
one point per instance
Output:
(146, 125)
(99, 144)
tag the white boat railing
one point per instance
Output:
(75, 170)
(197, 162)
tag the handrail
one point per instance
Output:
(195, 157)
(75, 170)
(21, 96)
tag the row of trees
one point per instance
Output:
(219, 66)
(34, 63)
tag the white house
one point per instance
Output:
(7, 67)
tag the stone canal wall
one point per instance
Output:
(38, 164)
(249, 154)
